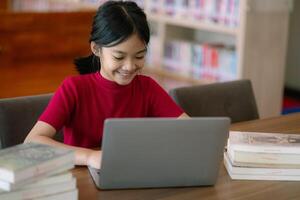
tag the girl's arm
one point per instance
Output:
(43, 133)
(183, 115)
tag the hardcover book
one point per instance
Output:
(7, 186)
(260, 159)
(28, 160)
(264, 142)
(40, 190)
(68, 195)
(258, 171)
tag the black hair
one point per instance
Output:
(114, 22)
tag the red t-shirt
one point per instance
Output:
(82, 103)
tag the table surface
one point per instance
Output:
(225, 188)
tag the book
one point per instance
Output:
(256, 149)
(247, 173)
(69, 195)
(263, 177)
(55, 179)
(265, 165)
(258, 158)
(7, 186)
(264, 142)
(258, 170)
(25, 161)
(39, 191)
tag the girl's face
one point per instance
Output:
(122, 62)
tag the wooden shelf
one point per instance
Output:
(193, 24)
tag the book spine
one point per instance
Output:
(263, 158)
(51, 180)
(264, 142)
(259, 171)
(12, 186)
(39, 191)
(70, 195)
(262, 177)
(264, 149)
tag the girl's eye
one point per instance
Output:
(139, 57)
(118, 58)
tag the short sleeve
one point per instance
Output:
(62, 104)
(161, 104)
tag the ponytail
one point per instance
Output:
(87, 65)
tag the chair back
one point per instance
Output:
(234, 99)
(17, 117)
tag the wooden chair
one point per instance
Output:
(18, 116)
(234, 99)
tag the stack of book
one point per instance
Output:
(263, 156)
(37, 171)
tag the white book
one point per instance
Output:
(7, 186)
(155, 6)
(263, 177)
(259, 158)
(69, 195)
(185, 58)
(28, 160)
(198, 9)
(37, 192)
(258, 170)
(266, 177)
(59, 178)
(197, 60)
(264, 142)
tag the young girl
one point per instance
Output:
(109, 85)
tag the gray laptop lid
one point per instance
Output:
(161, 152)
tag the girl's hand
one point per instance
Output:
(94, 159)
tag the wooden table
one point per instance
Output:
(225, 188)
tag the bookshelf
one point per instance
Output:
(257, 41)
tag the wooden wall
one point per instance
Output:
(4, 5)
(31, 37)
(37, 50)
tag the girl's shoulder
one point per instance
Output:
(147, 83)
(79, 78)
(79, 81)
(144, 79)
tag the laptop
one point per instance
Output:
(161, 152)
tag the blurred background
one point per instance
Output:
(192, 42)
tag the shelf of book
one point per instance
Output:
(257, 25)
(193, 24)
